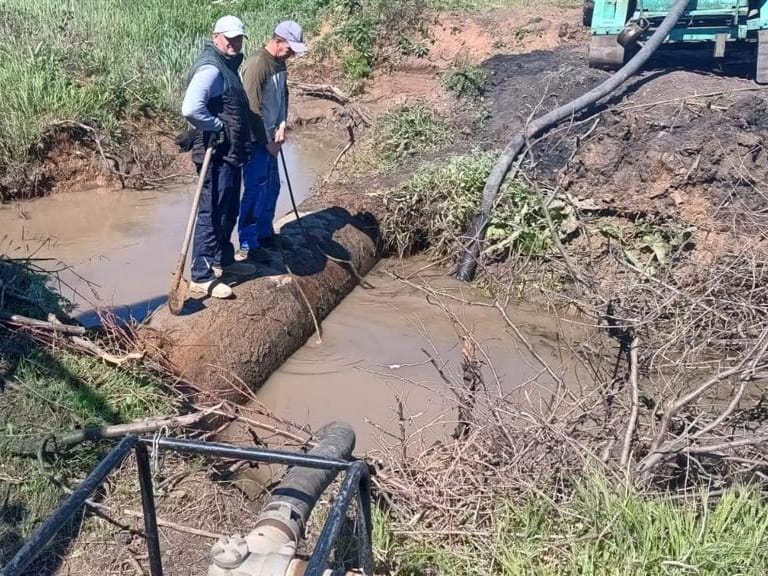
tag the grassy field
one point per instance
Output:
(102, 61)
(597, 531)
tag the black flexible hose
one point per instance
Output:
(468, 263)
(302, 487)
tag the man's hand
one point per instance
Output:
(280, 133)
(274, 148)
(214, 139)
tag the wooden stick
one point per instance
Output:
(89, 346)
(20, 320)
(634, 402)
(56, 443)
(177, 527)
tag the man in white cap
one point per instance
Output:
(216, 104)
(266, 83)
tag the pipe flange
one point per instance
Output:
(229, 553)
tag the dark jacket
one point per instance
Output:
(231, 108)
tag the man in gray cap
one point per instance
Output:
(217, 106)
(266, 83)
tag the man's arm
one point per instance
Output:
(207, 83)
(255, 73)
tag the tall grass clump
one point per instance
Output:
(598, 530)
(366, 33)
(101, 61)
(408, 130)
(436, 205)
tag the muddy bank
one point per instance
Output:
(216, 343)
(114, 249)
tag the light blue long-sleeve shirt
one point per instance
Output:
(206, 83)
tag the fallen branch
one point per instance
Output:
(350, 143)
(89, 346)
(635, 401)
(261, 425)
(330, 92)
(54, 443)
(177, 527)
(19, 320)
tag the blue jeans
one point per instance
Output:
(260, 191)
(216, 218)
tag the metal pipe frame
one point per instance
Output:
(249, 454)
(43, 535)
(355, 485)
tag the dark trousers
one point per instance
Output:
(216, 218)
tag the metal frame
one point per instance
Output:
(356, 485)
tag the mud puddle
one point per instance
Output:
(116, 248)
(376, 353)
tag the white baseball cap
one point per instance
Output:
(229, 26)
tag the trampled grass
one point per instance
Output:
(598, 531)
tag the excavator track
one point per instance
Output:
(605, 52)
(761, 72)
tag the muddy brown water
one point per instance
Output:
(376, 350)
(116, 248)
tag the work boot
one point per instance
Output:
(213, 288)
(235, 269)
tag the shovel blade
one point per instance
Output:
(177, 294)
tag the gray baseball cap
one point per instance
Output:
(292, 33)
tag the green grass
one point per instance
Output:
(102, 61)
(62, 391)
(437, 204)
(408, 130)
(465, 79)
(50, 389)
(597, 531)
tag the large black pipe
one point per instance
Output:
(468, 263)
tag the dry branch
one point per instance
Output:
(24, 321)
(57, 443)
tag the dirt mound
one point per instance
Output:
(528, 85)
(676, 158)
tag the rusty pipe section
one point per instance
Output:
(270, 548)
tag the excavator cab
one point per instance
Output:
(617, 25)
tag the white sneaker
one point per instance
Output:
(241, 255)
(235, 269)
(212, 288)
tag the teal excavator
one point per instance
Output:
(618, 25)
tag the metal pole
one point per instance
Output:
(43, 535)
(250, 454)
(330, 533)
(364, 508)
(148, 509)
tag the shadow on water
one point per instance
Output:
(303, 246)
